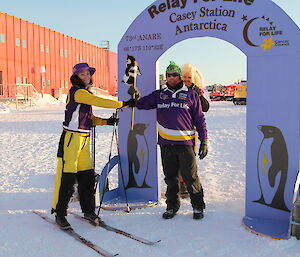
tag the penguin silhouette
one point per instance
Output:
(272, 168)
(136, 150)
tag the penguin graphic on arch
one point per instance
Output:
(272, 168)
(138, 157)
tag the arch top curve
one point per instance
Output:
(255, 27)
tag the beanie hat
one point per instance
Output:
(174, 67)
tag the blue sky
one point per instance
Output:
(96, 20)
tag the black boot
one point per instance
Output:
(198, 214)
(62, 222)
(169, 214)
(93, 218)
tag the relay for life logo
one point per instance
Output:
(262, 32)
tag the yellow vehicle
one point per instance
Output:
(240, 94)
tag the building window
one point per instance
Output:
(25, 80)
(61, 52)
(18, 80)
(66, 53)
(42, 48)
(66, 84)
(2, 38)
(62, 84)
(18, 41)
(93, 59)
(77, 57)
(81, 59)
(24, 43)
(48, 82)
(47, 49)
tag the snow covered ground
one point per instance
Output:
(29, 142)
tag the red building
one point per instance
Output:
(31, 54)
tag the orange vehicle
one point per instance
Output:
(229, 95)
(217, 93)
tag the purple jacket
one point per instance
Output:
(178, 115)
(78, 116)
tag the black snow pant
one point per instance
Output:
(181, 157)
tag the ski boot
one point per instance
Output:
(198, 214)
(62, 222)
(169, 214)
(93, 218)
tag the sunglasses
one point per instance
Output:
(175, 74)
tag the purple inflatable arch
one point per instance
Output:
(271, 42)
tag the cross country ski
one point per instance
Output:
(71, 232)
(115, 230)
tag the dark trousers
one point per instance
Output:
(86, 183)
(86, 191)
(181, 157)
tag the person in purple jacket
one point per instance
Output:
(73, 155)
(179, 113)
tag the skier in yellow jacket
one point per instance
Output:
(74, 161)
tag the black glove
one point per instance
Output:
(203, 149)
(134, 92)
(129, 103)
(112, 121)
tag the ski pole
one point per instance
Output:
(115, 115)
(94, 146)
(128, 209)
(93, 142)
(132, 118)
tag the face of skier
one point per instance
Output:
(173, 78)
(187, 79)
(85, 77)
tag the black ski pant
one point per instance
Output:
(181, 157)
